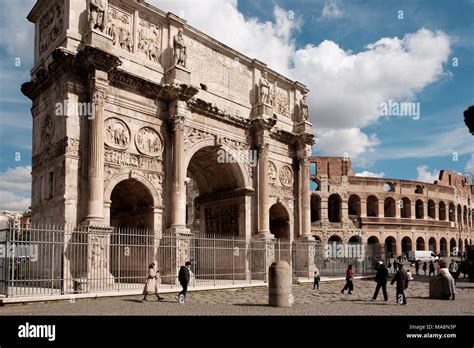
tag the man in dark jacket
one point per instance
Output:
(381, 279)
(401, 278)
(183, 278)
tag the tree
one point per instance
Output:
(469, 118)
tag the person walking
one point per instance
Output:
(401, 279)
(381, 279)
(151, 283)
(425, 266)
(417, 266)
(317, 278)
(432, 269)
(183, 278)
(349, 285)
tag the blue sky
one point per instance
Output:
(354, 55)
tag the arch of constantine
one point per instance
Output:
(140, 120)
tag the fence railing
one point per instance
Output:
(62, 260)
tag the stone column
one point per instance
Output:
(381, 207)
(363, 208)
(425, 210)
(398, 209)
(263, 198)
(95, 206)
(178, 193)
(436, 207)
(413, 209)
(305, 198)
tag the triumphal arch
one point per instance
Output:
(139, 119)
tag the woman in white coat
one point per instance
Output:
(151, 283)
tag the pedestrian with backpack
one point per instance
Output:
(183, 278)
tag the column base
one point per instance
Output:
(178, 74)
(261, 109)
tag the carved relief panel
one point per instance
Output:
(51, 25)
(149, 142)
(117, 133)
(286, 175)
(120, 28)
(272, 172)
(47, 130)
(149, 40)
(222, 219)
(282, 102)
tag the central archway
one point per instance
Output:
(214, 193)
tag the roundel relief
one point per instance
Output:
(286, 176)
(116, 133)
(149, 142)
(272, 172)
(47, 129)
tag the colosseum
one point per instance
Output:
(403, 215)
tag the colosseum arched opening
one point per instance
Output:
(334, 208)
(405, 211)
(443, 247)
(442, 211)
(406, 245)
(372, 206)
(419, 206)
(391, 246)
(389, 207)
(420, 243)
(432, 244)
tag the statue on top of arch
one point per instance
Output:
(98, 13)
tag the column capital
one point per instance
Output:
(176, 92)
(177, 123)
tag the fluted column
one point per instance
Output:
(178, 193)
(263, 198)
(95, 207)
(305, 197)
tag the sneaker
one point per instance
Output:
(350, 293)
(143, 301)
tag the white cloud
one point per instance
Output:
(425, 175)
(17, 179)
(469, 168)
(16, 33)
(338, 142)
(368, 174)
(267, 41)
(331, 10)
(15, 188)
(11, 201)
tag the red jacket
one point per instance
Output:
(349, 273)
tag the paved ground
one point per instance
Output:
(327, 301)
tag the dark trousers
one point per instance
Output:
(316, 283)
(382, 285)
(401, 299)
(348, 285)
(185, 289)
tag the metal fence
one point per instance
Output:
(58, 260)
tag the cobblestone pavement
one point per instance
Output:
(253, 301)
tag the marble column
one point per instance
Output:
(263, 197)
(178, 194)
(305, 196)
(95, 206)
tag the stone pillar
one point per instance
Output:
(436, 207)
(95, 204)
(413, 209)
(425, 210)
(398, 209)
(263, 198)
(305, 197)
(363, 208)
(381, 207)
(178, 176)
